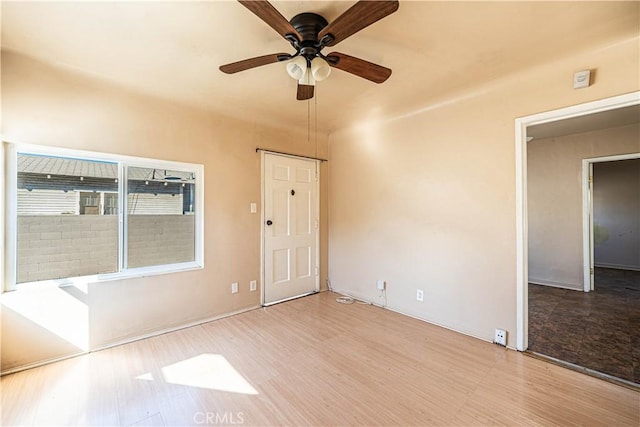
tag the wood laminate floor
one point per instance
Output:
(312, 361)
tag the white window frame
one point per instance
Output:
(11, 151)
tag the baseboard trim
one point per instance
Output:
(359, 297)
(127, 341)
(618, 266)
(41, 363)
(553, 284)
(172, 329)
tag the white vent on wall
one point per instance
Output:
(581, 79)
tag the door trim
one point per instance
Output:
(263, 154)
(587, 212)
(521, 124)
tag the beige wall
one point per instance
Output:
(616, 213)
(555, 200)
(427, 200)
(50, 106)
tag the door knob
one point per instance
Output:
(269, 222)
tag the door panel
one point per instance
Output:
(281, 268)
(303, 218)
(303, 175)
(280, 213)
(290, 233)
(281, 173)
(303, 262)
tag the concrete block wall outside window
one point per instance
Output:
(59, 246)
(160, 239)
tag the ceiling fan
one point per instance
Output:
(309, 33)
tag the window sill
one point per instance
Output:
(82, 282)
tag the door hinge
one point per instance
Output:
(590, 179)
(316, 224)
(591, 270)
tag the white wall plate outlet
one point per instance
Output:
(500, 337)
(420, 295)
(234, 288)
(253, 285)
(380, 285)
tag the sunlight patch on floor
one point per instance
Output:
(210, 371)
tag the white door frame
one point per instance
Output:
(587, 212)
(263, 154)
(521, 124)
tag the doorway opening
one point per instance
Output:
(568, 273)
(611, 214)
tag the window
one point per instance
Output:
(79, 215)
(160, 217)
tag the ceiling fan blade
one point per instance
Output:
(270, 15)
(258, 61)
(361, 68)
(357, 17)
(304, 92)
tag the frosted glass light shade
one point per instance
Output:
(320, 68)
(297, 67)
(307, 79)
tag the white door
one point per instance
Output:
(290, 227)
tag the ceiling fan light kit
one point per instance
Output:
(297, 67)
(309, 33)
(307, 79)
(320, 68)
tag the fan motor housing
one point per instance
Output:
(308, 25)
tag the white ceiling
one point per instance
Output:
(591, 122)
(173, 50)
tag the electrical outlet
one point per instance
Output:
(501, 337)
(420, 295)
(253, 285)
(380, 285)
(234, 288)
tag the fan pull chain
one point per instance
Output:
(315, 106)
(309, 121)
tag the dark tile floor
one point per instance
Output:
(599, 330)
